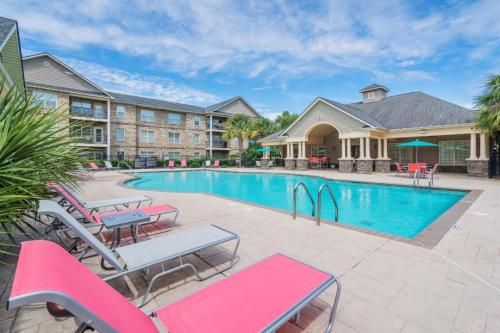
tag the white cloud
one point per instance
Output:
(418, 75)
(136, 84)
(272, 39)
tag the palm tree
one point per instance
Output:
(239, 126)
(264, 127)
(35, 149)
(488, 117)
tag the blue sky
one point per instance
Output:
(279, 55)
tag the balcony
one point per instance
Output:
(91, 113)
(91, 140)
(216, 126)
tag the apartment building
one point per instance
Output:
(115, 125)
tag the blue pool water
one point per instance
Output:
(397, 210)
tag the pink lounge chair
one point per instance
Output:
(313, 160)
(260, 298)
(171, 164)
(216, 163)
(94, 167)
(184, 164)
(399, 169)
(157, 210)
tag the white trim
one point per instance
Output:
(68, 91)
(234, 100)
(14, 28)
(45, 54)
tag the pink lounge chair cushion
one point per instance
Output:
(171, 164)
(183, 164)
(72, 200)
(216, 164)
(247, 301)
(151, 211)
(94, 166)
(45, 266)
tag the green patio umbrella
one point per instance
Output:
(417, 143)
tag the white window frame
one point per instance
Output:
(197, 120)
(44, 97)
(122, 130)
(174, 138)
(175, 120)
(147, 136)
(120, 112)
(453, 144)
(148, 116)
(147, 154)
(197, 138)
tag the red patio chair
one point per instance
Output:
(260, 298)
(413, 168)
(399, 168)
(313, 160)
(171, 164)
(184, 164)
(324, 161)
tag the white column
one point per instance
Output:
(299, 149)
(482, 147)
(386, 155)
(361, 148)
(303, 149)
(379, 148)
(343, 148)
(349, 148)
(210, 136)
(473, 154)
(108, 131)
(368, 155)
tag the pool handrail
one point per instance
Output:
(294, 213)
(323, 186)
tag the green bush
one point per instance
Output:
(196, 163)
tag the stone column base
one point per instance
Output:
(290, 164)
(345, 165)
(302, 164)
(478, 168)
(364, 166)
(383, 165)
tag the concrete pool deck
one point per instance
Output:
(388, 285)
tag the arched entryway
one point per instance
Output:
(323, 141)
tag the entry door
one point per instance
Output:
(98, 134)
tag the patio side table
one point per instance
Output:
(122, 220)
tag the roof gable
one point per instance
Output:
(44, 70)
(224, 105)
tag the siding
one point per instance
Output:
(11, 61)
(36, 71)
(322, 112)
(238, 107)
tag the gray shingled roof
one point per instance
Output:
(273, 137)
(221, 104)
(374, 86)
(155, 103)
(6, 26)
(414, 110)
(60, 88)
(360, 114)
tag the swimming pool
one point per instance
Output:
(397, 210)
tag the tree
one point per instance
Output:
(33, 152)
(239, 126)
(488, 117)
(285, 119)
(264, 127)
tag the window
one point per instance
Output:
(174, 118)
(147, 136)
(147, 116)
(81, 107)
(120, 134)
(120, 112)
(98, 111)
(174, 138)
(196, 155)
(318, 151)
(120, 155)
(197, 120)
(196, 139)
(400, 154)
(147, 154)
(454, 152)
(48, 100)
(174, 155)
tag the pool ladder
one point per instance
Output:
(313, 205)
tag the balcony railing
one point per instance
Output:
(215, 125)
(88, 113)
(92, 139)
(217, 144)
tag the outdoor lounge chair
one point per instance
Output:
(94, 206)
(94, 167)
(152, 211)
(258, 164)
(260, 298)
(184, 164)
(109, 166)
(171, 164)
(216, 163)
(145, 254)
(399, 169)
(208, 164)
